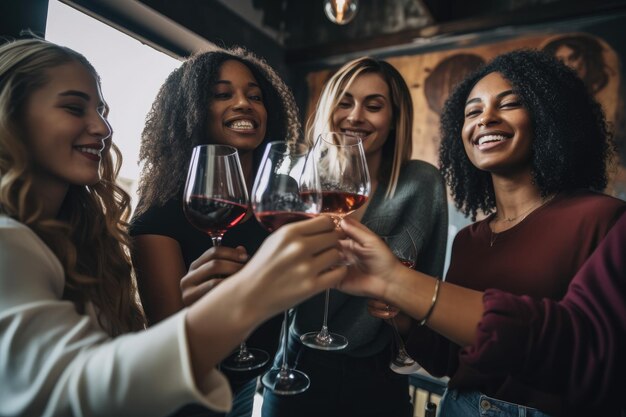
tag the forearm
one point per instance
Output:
(457, 311)
(218, 322)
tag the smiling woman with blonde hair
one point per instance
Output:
(368, 98)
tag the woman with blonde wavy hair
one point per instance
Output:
(368, 98)
(71, 329)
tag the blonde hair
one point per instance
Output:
(397, 148)
(89, 236)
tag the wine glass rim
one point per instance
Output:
(228, 150)
(323, 136)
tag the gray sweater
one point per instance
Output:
(419, 205)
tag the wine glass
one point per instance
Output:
(345, 184)
(286, 189)
(215, 200)
(403, 246)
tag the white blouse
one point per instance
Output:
(56, 362)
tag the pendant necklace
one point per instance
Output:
(521, 217)
(493, 238)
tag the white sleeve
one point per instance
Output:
(56, 362)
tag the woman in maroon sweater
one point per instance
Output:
(572, 348)
(524, 142)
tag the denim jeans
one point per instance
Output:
(456, 403)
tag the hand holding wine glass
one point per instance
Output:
(286, 190)
(345, 185)
(217, 263)
(215, 200)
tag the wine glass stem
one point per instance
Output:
(217, 241)
(324, 331)
(243, 354)
(398, 338)
(283, 366)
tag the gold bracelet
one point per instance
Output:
(423, 321)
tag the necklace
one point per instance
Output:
(521, 217)
(493, 238)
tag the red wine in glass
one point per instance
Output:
(407, 262)
(341, 203)
(272, 220)
(213, 215)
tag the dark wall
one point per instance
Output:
(19, 15)
(218, 24)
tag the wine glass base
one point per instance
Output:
(286, 382)
(255, 359)
(405, 368)
(330, 341)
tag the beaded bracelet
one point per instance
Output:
(423, 321)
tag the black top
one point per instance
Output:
(169, 220)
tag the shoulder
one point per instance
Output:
(159, 219)
(420, 170)
(26, 263)
(477, 228)
(18, 241)
(419, 177)
(584, 202)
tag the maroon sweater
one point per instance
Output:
(537, 257)
(576, 347)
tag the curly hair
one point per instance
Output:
(89, 235)
(177, 120)
(572, 143)
(397, 149)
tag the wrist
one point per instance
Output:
(393, 280)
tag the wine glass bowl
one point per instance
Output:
(286, 189)
(216, 199)
(343, 173)
(345, 185)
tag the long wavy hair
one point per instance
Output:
(89, 235)
(178, 121)
(572, 144)
(397, 148)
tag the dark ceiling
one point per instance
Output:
(300, 29)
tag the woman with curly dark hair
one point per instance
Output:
(524, 142)
(226, 97)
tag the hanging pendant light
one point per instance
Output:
(341, 12)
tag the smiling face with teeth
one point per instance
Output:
(237, 114)
(365, 110)
(497, 130)
(65, 128)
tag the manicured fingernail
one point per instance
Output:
(243, 256)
